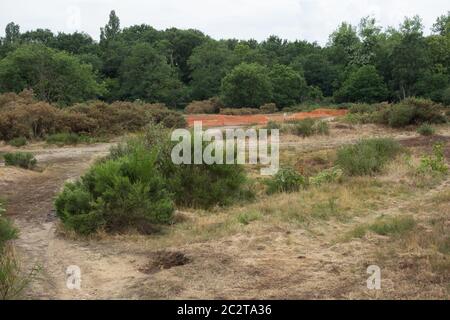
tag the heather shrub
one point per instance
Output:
(411, 111)
(67, 138)
(426, 130)
(367, 156)
(273, 125)
(286, 180)
(303, 128)
(268, 108)
(24, 160)
(239, 111)
(18, 142)
(205, 106)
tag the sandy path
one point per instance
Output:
(30, 197)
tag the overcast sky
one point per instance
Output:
(311, 20)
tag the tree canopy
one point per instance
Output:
(363, 62)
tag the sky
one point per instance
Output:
(311, 20)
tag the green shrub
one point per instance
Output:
(247, 217)
(128, 192)
(65, 138)
(268, 108)
(7, 230)
(137, 185)
(201, 185)
(286, 180)
(321, 127)
(327, 176)
(360, 108)
(435, 162)
(411, 111)
(367, 156)
(304, 128)
(18, 142)
(239, 111)
(272, 125)
(426, 130)
(24, 160)
(205, 106)
(12, 281)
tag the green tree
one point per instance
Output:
(181, 45)
(363, 85)
(289, 86)
(12, 33)
(209, 63)
(53, 75)
(410, 58)
(112, 29)
(319, 72)
(41, 36)
(145, 74)
(442, 25)
(247, 85)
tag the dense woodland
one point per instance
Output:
(363, 63)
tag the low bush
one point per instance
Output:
(114, 195)
(268, 108)
(239, 111)
(7, 230)
(367, 156)
(32, 119)
(138, 185)
(304, 128)
(321, 127)
(426, 130)
(24, 160)
(435, 162)
(327, 176)
(65, 138)
(209, 106)
(271, 125)
(18, 142)
(286, 180)
(411, 111)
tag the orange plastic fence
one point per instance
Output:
(220, 120)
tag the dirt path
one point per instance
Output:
(277, 263)
(29, 198)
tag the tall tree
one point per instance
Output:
(247, 85)
(146, 75)
(54, 76)
(410, 57)
(12, 33)
(112, 29)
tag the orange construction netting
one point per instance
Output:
(220, 120)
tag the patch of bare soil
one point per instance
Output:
(425, 144)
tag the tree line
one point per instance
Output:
(363, 63)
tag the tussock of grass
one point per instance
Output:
(385, 226)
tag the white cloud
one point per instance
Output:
(312, 20)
